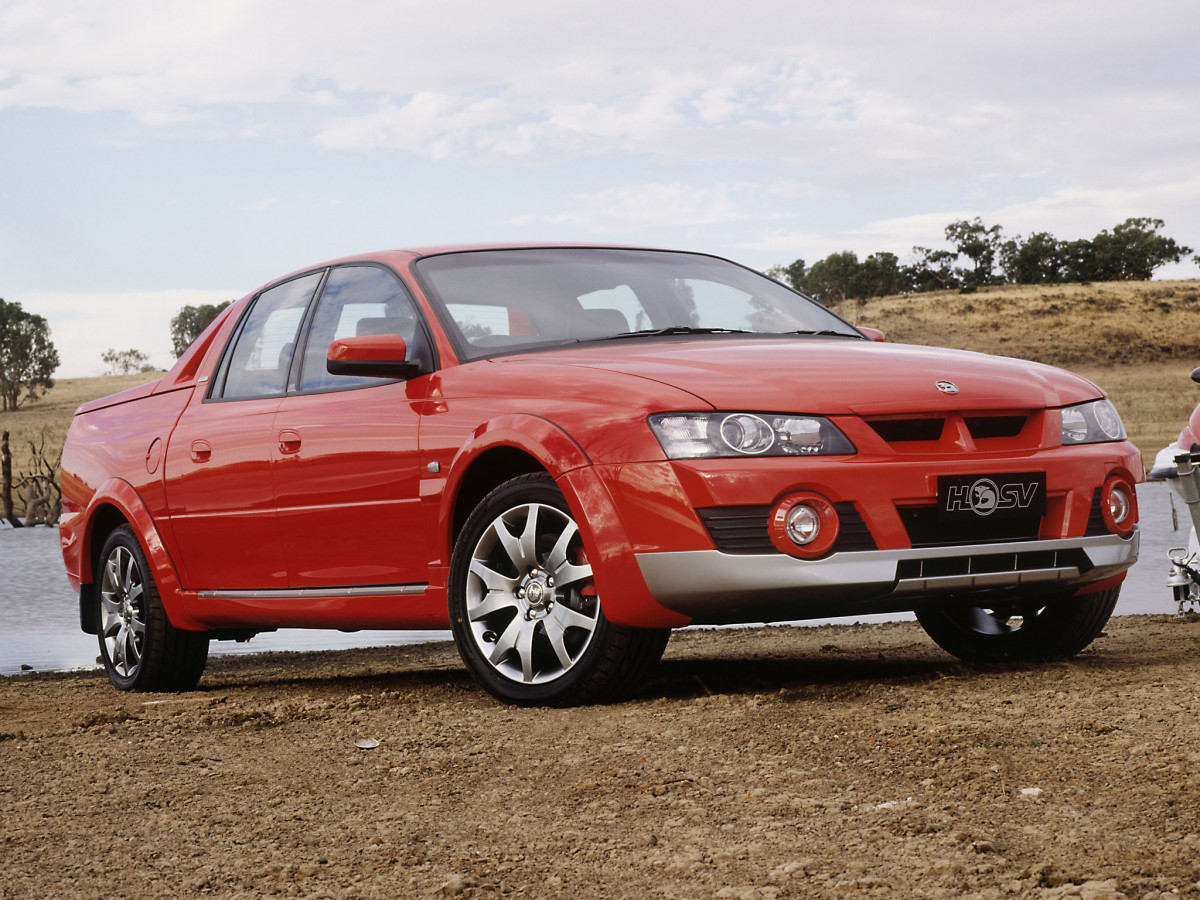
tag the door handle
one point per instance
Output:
(289, 441)
(201, 451)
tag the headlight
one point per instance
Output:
(1091, 423)
(700, 435)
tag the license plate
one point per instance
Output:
(975, 497)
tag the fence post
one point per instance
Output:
(6, 482)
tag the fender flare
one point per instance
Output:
(541, 439)
(124, 498)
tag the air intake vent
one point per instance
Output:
(896, 430)
(982, 427)
(1095, 523)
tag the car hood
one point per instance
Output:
(835, 375)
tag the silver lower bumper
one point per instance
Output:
(709, 585)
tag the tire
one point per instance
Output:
(526, 618)
(140, 648)
(1019, 630)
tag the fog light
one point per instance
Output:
(1118, 505)
(804, 525)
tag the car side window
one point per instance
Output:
(259, 363)
(357, 301)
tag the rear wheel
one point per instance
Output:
(140, 648)
(526, 617)
(1036, 628)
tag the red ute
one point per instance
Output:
(564, 452)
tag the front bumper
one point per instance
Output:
(715, 587)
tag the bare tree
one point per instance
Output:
(43, 496)
(37, 488)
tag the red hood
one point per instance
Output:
(833, 376)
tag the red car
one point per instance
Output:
(564, 452)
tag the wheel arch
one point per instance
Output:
(498, 451)
(485, 473)
(105, 519)
(114, 504)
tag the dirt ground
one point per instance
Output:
(849, 761)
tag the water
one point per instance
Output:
(41, 613)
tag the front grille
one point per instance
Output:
(925, 529)
(897, 430)
(931, 428)
(743, 529)
(983, 427)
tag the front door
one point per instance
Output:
(345, 456)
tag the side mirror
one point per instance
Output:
(875, 334)
(1196, 375)
(373, 355)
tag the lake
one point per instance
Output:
(41, 612)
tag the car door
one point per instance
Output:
(219, 488)
(345, 456)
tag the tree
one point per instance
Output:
(1038, 260)
(834, 279)
(190, 323)
(27, 356)
(792, 274)
(880, 275)
(977, 243)
(123, 362)
(1079, 261)
(1134, 249)
(932, 270)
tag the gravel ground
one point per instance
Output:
(840, 761)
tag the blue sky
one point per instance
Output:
(155, 154)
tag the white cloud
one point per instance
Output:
(793, 130)
(886, 94)
(633, 209)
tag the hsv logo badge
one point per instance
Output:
(947, 387)
(996, 496)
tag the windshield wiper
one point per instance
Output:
(670, 330)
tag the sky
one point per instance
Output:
(156, 154)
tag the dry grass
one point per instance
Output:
(1071, 325)
(1135, 339)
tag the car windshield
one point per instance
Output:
(502, 301)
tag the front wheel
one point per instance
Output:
(1017, 629)
(139, 646)
(526, 617)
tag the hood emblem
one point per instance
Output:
(947, 387)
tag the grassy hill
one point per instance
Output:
(1137, 340)
(1069, 325)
